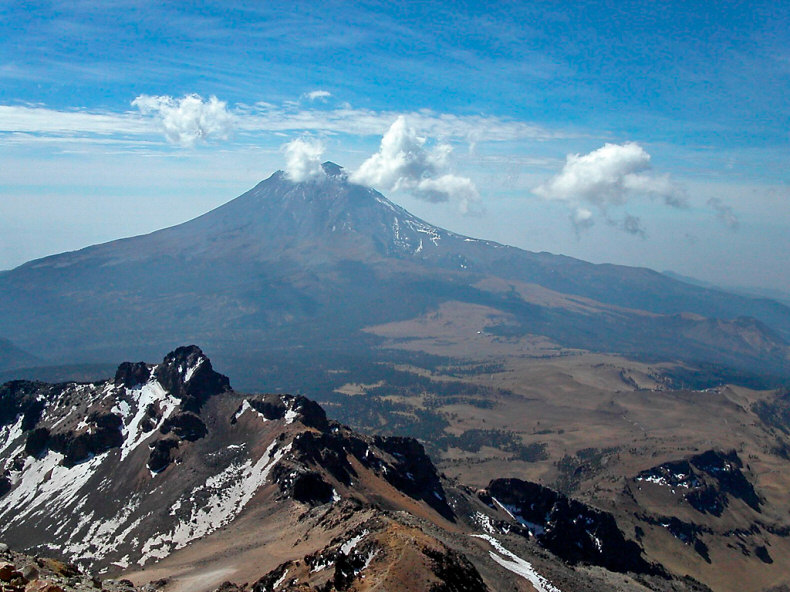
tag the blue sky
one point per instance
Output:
(699, 88)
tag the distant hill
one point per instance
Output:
(12, 357)
(753, 291)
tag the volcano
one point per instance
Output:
(310, 266)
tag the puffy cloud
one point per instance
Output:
(189, 119)
(582, 219)
(610, 176)
(303, 159)
(724, 213)
(404, 162)
(318, 95)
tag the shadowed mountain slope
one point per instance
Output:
(308, 265)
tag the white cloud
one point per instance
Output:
(403, 162)
(724, 213)
(608, 177)
(318, 95)
(189, 119)
(582, 219)
(303, 159)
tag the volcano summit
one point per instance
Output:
(312, 265)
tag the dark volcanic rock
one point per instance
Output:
(408, 468)
(686, 532)
(569, 528)
(455, 571)
(5, 485)
(329, 452)
(131, 374)
(271, 407)
(102, 434)
(305, 486)
(187, 373)
(414, 473)
(185, 425)
(725, 468)
(22, 397)
(161, 454)
(274, 407)
(36, 442)
(708, 480)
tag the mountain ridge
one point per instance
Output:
(165, 474)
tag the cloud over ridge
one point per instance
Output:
(303, 159)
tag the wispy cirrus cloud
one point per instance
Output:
(317, 95)
(188, 120)
(42, 120)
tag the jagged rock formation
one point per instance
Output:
(165, 466)
(706, 481)
(569, 528)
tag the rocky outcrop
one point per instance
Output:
(377, 553)
(274, 407)
(707, 481)
(161, 454)
(131, 374)
(402, 462)
(20, 572)
(184, 426)
(572, 530)
(187, 374)
(25, 399)
(100, 433)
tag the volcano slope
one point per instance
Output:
(165, 475)
(306, 267)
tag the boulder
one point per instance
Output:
(8, 572)
(29, 572)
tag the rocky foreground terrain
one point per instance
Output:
(165, 478)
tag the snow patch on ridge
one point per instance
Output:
(190, 371)
(349, 545)
(245, 406)
(45, 484)
(214, 504)
(513, 563)
(151, 393)
(9, 434)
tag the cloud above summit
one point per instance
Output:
(188, 120)
(405, 161)
(303, 159)
(608, 178)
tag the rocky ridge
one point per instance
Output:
(165, 466)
